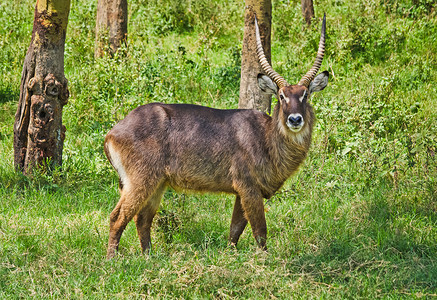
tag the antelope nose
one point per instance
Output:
(295, 120)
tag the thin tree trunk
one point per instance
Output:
(111, 26)
(38, 130)
(307, 10)
(250, 94)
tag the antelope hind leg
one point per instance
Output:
(127, 207)
(144, 218)
(117, 224)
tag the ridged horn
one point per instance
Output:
(278, 79)
(306, 80)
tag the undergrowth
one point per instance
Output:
(357, 221)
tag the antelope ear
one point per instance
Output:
(267, 85)
(319, 83)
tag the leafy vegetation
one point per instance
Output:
(358, 221)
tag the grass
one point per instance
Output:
(358, 221)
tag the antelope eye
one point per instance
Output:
(281, 97)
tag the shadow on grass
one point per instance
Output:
(201, 235)
(392, 248)
(204, 238)
(8, 94)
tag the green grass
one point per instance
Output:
(359, 220)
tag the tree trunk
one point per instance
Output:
(250, 94)
(111, 26)
(38, 130)
(307, 10)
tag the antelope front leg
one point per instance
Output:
(253, 206)
(238, 222)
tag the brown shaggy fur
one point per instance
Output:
(242, 152)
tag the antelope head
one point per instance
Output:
(293, 99)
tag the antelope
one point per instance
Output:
(189, 147)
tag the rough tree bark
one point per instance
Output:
(38, 130)
(111, 26)
(250, 94)
(307, 10)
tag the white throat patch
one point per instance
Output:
(300, 136)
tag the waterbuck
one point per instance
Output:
(238, 151)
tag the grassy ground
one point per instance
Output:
(358, 221)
